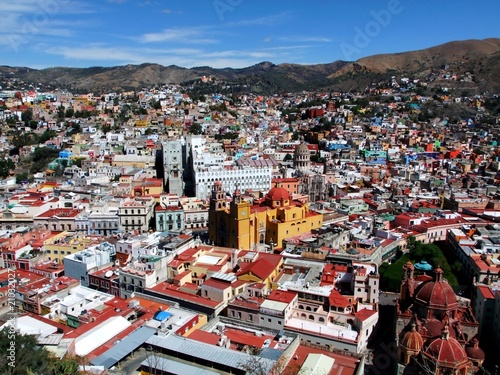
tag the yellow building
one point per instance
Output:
(269, 220)
(142, 123)
(66, 243)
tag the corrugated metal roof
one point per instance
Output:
(122, 349)
(53, 339)
(173, 367)
(207, 352)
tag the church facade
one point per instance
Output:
(249, 221)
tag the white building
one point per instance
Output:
(135, 214)
(231, 177)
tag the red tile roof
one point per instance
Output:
(486, 292)
(364, 314)
(344, 364)
(244, 338)
(337, 299)
(204, 336)
(262, 268)
(282, 296)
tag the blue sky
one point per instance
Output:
(230, 33)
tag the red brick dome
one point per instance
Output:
(436, 294)
(446, 351)
(278, 194)
(473, 350)
(434, 327)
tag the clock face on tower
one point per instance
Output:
(243, 213)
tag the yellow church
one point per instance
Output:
(268, 220)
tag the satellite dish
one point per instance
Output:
(108, 274)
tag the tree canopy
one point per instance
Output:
(29, 358)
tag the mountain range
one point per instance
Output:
(480, 58)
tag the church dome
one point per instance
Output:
(278, 194)
(436, 294)
(301, 149)
(434, 327)
(412, 340)
(474, 352)
(445, 350)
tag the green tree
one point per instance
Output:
(70, 112)
(412, 244)
(11, 120)
(21, 177)
(457, 266)
(60, 113)
(46, 135)
(6, 165)
(288, 157)
(155, 105)
(30, 358)
(106, 128)
(27, 116)
(195, 128)
(75, 129)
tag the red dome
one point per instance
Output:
(434, 327)
(474, 351)
(436, 294)
(446, 350)
(278, 194)
(412, 340)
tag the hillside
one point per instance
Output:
(479, 57)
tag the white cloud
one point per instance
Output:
(305, 39)
(193, 35)
(44, 8)
(271, 20)
(185, 57)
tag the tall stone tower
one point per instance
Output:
(173, 166)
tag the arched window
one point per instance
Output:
(311, 317)
(308, 308)
(321, 319)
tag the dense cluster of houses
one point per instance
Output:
(217, 230)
